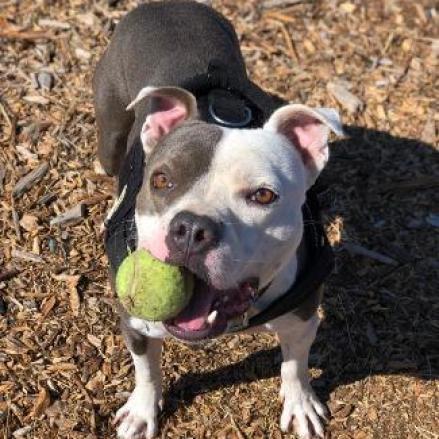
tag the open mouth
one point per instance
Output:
(209, 310)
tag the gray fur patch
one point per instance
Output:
(184, 155)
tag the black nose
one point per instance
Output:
(192, 233)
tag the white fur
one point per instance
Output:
(300, 402)
(140, 412)
(138, 417)
(257, 241)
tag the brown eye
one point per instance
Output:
(161, 181)
(263, 196)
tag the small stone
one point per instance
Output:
(45, 80)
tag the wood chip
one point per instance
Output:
(72, 215)
(26, 256)
(45, 80)
(29, 222)
(55, 24)
(72, 284)
(13, 34)
(36, 99)
(2, 177)
(345, 98)
(16, 222)
(22, 432)
(47, 198)
(26, 182)
(428, 134)
(269, 4)
(41, 404)
(47, 306)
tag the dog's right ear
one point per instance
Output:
(171, 106)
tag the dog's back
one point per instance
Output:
(156, 44)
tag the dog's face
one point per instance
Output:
(226, 204)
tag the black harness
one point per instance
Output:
(228, 105)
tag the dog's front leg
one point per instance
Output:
(296, 337)
(138, 417)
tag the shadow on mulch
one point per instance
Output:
(368, 329)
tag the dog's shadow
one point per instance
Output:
(378, 317)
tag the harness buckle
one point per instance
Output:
(228, 110)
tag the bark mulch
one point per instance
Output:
(64, 369)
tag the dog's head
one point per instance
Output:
(225, 203)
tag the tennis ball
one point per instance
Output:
(150, 289)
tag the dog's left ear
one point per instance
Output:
(170, 106)
(308, 130)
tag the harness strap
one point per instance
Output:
(319, 265)
(121, 234)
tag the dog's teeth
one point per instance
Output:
(212, 317)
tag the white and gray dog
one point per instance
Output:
(221, 191)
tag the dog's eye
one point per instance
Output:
(161, 181)
(263, 196)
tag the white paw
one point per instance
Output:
(301, 404)
(137, 419)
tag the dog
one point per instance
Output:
(213, 177)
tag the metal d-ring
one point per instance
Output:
(247, 118)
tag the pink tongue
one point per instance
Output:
(193, 317)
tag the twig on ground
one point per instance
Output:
(27, 256)
(26, 182)
(362, 251)
(74, 214)
(268, 4)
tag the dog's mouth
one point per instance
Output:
(210, 309)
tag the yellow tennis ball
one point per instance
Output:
(150, 289)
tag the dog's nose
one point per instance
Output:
(192, 233)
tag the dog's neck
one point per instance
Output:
(283, 280)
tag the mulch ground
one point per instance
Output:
(64, 369)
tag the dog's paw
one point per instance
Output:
(137, 419)
(303, 408)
